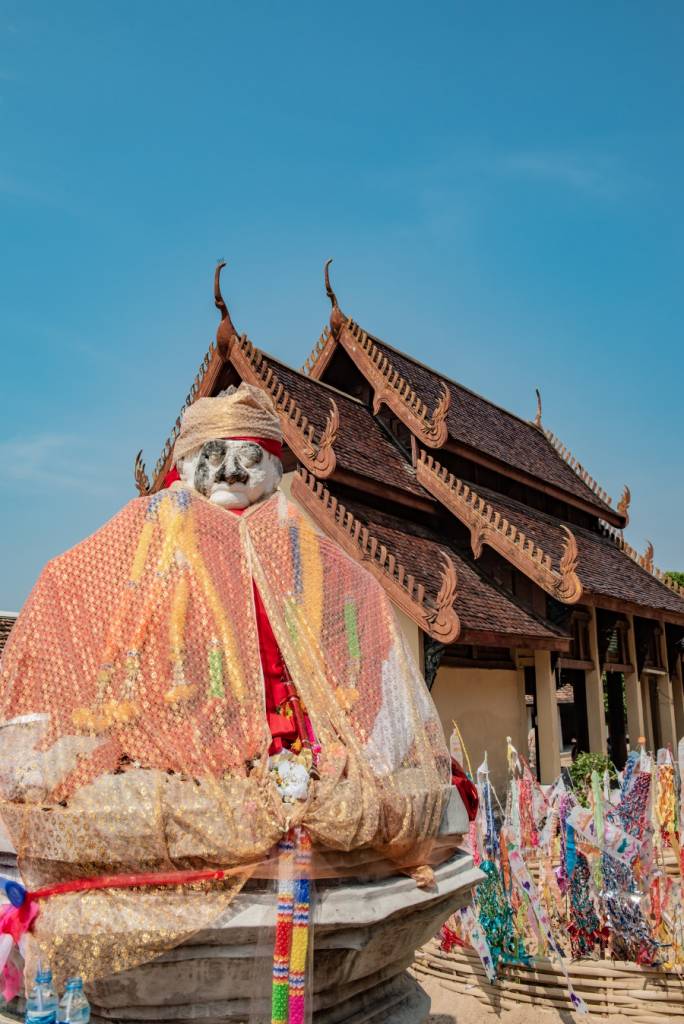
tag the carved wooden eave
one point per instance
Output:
(389, 387)
(645, 560)
(624, 503)
(436, 616)
(318, 455)
(488, 526)
(567, 456)
(321, 354)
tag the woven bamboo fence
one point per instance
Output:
(642, 995)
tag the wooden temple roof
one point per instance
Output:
(443, 413)
(486, 614)
(607, 568)
(396, 508)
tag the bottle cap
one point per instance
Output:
(15, 892)
(74, 983)
(44, 975)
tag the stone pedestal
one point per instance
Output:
(365, 936)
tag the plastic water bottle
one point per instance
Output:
(74, 1008)
(41, 1005)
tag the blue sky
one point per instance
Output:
(500, 185)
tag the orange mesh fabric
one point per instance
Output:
(132, 723)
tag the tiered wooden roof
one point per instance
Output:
(419, 526)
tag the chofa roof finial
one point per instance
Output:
(538, 417)
(337, 317)
(226, 330)
(624, 503)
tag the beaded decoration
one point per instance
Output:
(288, 993)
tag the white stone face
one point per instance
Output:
(232, 474)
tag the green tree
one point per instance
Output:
(678, 577)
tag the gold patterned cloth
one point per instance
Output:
(133, 733)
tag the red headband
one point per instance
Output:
(274, 447)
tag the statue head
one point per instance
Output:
(228, 448)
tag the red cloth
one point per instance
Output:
(277, 685)
(274, 447)
(468, 791)
(276, 681)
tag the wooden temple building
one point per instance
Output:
(504, 559)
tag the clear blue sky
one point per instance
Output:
(500, 185)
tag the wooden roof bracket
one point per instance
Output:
(488, 526)
(317, 455)
(645, 560)
(435, 616)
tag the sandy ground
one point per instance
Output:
(452, 1008)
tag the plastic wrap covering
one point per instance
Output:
(134, 736)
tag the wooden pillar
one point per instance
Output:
(616, 719)
(676, 675)
(666, 711)
(593, 680)
(523, 730)
(636, 725)
(547, 718)
(649, 725)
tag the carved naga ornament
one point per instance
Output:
(488, 526)
(142, 481)
(389, 387)
(624, 503)
(317, 455)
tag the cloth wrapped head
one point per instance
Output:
(230, 448)
(246, 412)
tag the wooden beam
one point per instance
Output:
(494, 638)
(632, 608)
(366, 485)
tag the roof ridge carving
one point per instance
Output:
(318, 456)
(390, 387)
(488, 526)
(324, 340)
(645, 560)
(436, 617)
(566, 455)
